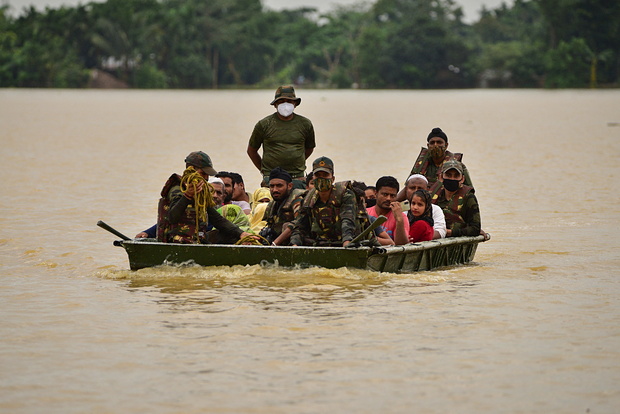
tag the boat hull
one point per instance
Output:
(409, 258)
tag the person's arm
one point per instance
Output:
(347, 217)
(402, 194)
(301, 226)
(383, 238)
(310, 140)
(255, 157)
(222, 224)
(439, 226)
(151, 232)
(401, 232)
(471, 216)
(467, 177)
(287, 230)
(178, 203)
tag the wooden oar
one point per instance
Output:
(379, 221)
(111, 230)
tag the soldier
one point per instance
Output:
(430, 161)
(329, 215)
(287, 139)
(177, 211)
(458, 202)
(283, 209)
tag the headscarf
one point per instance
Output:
(256, 218)
(259, 194)
(258, 209)
(235, 215)
(427, 216)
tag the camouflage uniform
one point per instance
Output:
(279, 214)
(425, 165)
(461, 211)
(176, 218)
(330, 223)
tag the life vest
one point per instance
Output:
(185, 230)
(276, 217)
(453, 210)
(422, 162)
(326, 221)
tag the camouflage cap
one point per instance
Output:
(285, 92)
(323, 164)
(201, 160)
(452, 164)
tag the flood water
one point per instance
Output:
(532, 326)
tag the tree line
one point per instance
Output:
(411, 44)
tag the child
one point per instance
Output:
(420, 217)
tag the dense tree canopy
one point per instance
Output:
(384, 44)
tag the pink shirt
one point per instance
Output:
(390, 224)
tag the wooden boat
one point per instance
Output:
(396, 259)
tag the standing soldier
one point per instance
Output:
(287, 139)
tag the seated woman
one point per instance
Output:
(420, 217)
(260, 200)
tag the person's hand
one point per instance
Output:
(141, 235)
(250, 235)
(397, 209)
(486, 235)
(191, 192)
(346, 243)
(448, 233)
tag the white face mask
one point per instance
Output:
(286, 109)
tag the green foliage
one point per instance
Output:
(412, 44)
(568, 66)
(147, 76)
(384, 44)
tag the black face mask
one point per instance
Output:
(451, 185)
(371, 202)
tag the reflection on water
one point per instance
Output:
(322, 293)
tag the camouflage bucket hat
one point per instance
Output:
(452, 164)
(323, 164)
(201, 160)
(286, 92)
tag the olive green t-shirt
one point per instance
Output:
(284, 143)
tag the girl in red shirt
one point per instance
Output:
(420, 217)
